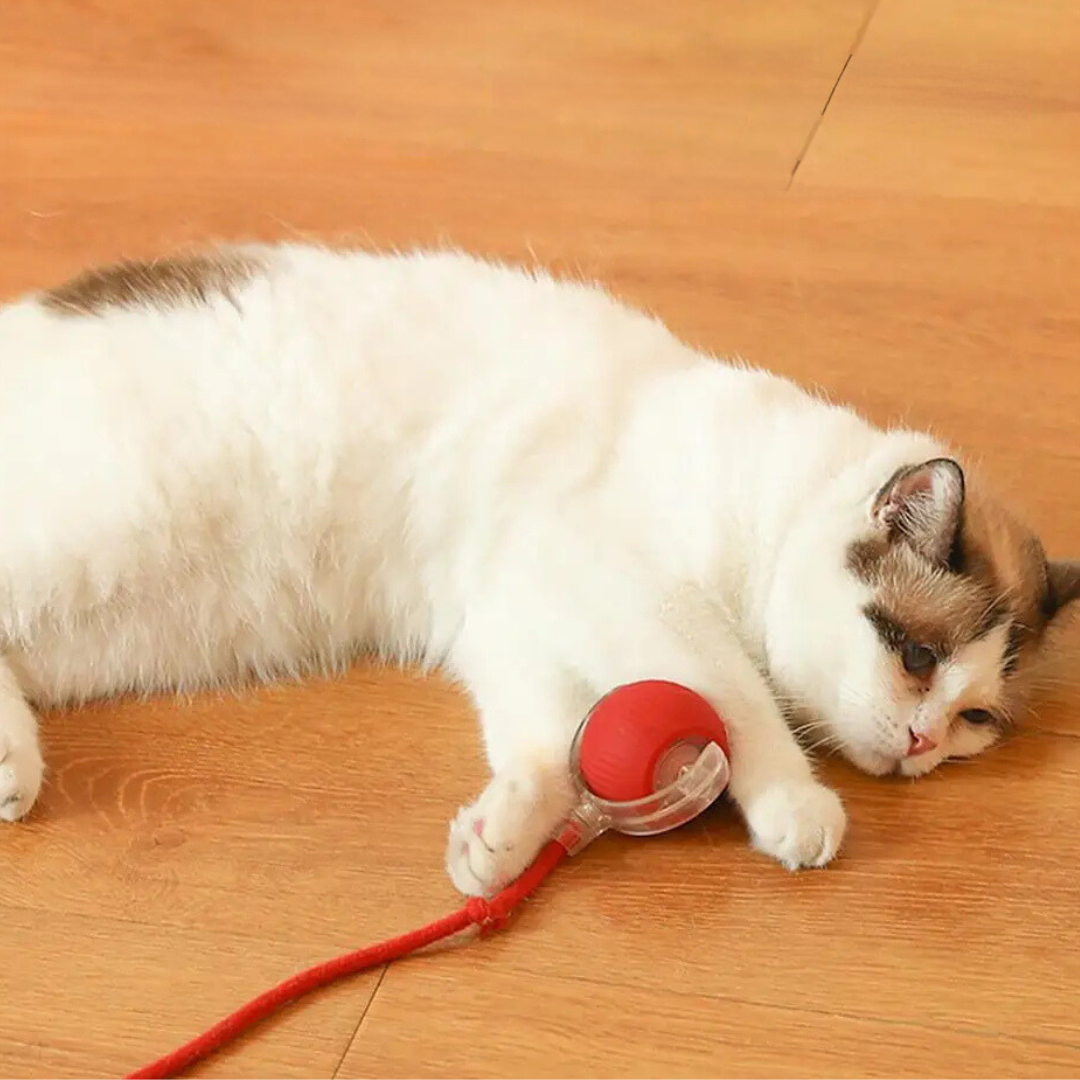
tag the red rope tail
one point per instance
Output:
(487, 914)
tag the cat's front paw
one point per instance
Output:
(21, 771)
(495, 839)
(798, 823)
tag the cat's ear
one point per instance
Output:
(1062, 586)
(921, 505)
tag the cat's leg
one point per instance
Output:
(790, 816)
(528, 716)
(21, 766)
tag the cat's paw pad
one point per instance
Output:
(21, 771)
(495, 839)
(799, 824)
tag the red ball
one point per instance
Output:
(639, 735)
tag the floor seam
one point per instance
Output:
(356, 1030)
(814, 128)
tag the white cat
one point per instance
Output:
(263, 460)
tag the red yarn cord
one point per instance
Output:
(487, 914)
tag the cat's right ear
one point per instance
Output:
(921, 505)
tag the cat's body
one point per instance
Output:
(269, 459)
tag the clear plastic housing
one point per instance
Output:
(694, 789)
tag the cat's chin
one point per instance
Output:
(870, 761)
(877, 764)
(921, 765)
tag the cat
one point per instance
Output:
(262, 460)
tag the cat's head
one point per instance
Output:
(911, 632)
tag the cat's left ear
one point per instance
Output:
(921, 505)
(1062, 586)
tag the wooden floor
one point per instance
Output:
(881, 199)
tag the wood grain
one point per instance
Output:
(189, 853)
(537, 1026)
(949, 909)
(100, 994)
(973, 98)
(554, 86)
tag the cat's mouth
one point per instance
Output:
(878, 763)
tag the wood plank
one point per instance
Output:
(101, 996)
(524, 1024)
(977, 98)
(952, 908)
(294, 812)
(572, 92)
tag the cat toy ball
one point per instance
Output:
(649, 757)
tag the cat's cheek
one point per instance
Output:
(870, 761)
(967, 740)
(872, 715)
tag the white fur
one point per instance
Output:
(456, 462)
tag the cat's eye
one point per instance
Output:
(979, 717)
(918, 659)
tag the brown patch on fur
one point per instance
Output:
(164, 283)
(993, 546)
(997, 574)
(925, 604)
(1063, 586)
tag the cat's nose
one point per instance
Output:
(920, 744)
